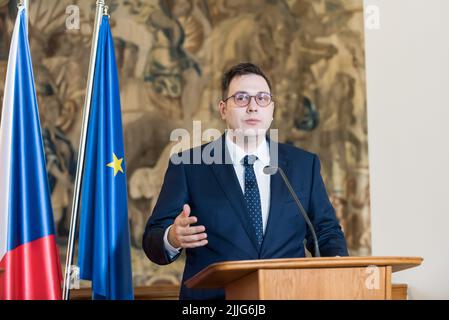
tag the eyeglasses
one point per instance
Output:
(242, 99)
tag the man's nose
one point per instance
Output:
(252, 106)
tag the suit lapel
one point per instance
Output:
(230, 185)
(278, 192)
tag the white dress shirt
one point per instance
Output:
(263, 181)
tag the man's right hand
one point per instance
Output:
(182, 235)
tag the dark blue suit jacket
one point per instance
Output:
(216, 199)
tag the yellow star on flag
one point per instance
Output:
(116, 164)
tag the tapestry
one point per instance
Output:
(171, 55)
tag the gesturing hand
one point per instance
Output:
(182, 235)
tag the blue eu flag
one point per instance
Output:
(104, 245)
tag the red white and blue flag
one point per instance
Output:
(29, 261)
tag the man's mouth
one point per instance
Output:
(252, 121)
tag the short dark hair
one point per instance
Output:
(240, 70)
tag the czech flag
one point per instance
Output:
(29, 261)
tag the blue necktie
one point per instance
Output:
(252, 197)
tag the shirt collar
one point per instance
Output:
(237, 154)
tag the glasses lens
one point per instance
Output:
(263, 99)
(241, 99)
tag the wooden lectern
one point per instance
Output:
(367, 278)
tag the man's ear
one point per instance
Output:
(222, 109)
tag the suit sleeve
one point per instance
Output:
(174, 194)
(331, 239)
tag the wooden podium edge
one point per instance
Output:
(244, 267)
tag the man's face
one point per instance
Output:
(252, 119)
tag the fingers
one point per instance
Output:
(184, 218)
(191, 237)
(194, 244)
(185, 235)
(186, 210)
(193, 241)
(189, 232)
(186, 221)
(194, 230)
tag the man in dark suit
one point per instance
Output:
(223, 207)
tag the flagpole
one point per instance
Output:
(25, 4)
(27, 7)
(79, 171)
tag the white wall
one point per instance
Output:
(408, 122)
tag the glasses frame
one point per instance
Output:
(250, 97)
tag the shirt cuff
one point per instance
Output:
(171, 251)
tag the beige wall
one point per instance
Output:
(408, 130)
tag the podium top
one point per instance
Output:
(218, 274)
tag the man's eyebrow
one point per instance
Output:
(241, 91)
